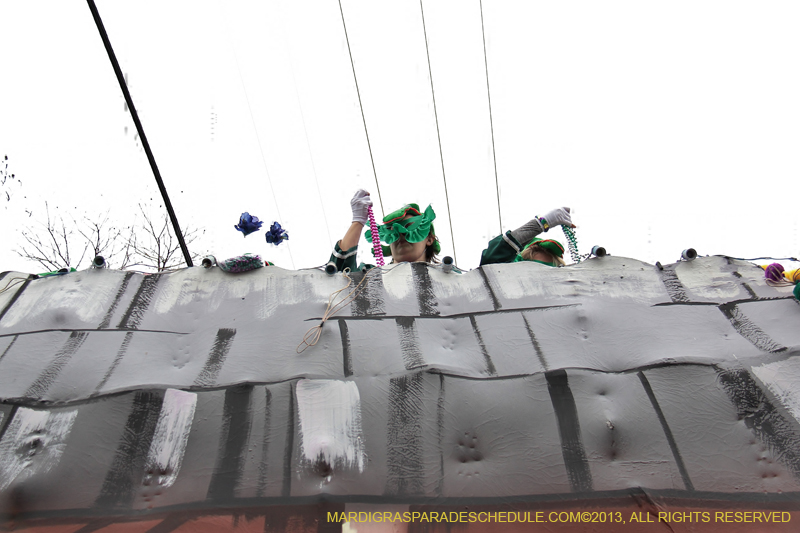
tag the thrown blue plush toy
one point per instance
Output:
(276, 234)
(248, 224)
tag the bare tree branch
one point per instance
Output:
(148, 243)
(154, 244)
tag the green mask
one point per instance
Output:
(416, 228)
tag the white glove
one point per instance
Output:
(558, 217)
(360, 205)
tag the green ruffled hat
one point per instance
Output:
(550, 245)
(415, 228)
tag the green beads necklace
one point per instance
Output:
(572, 244)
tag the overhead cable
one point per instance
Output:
(140, 130)
(369, 146)
(438, 134)
(491, 122)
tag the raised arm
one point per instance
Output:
(344, 252)
(505, 247)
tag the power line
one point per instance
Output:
(369, 146)
(491, 123)
(145, 144)
(438, 134)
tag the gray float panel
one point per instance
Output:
(159, 399)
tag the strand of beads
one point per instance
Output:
(376, 240)
(572, 243)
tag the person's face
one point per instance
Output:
(403, 250)
(541, 255)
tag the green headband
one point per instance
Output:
(416, 228)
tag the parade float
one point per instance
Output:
(189, 401)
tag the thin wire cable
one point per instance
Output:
(305, 130)
(438, 135)
(255, 129)
(363, 118)
(491, 122)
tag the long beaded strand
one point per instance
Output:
(572, 243)
(376, 240)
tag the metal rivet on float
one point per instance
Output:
(99, 262)
(330, 268)
(209, 261)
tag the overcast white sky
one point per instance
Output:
(664, 125)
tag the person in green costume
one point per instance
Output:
(408, 232)
(545, 251)
(522, 244)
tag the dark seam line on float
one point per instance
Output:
(122, 288)
(123, 349)
(595, 499)
(457, 315)
(426, 299)
(127, 467)
(14, 298)
(749, 290)
(89, 330)
(263, 467)
(676, 454)
(666, 304)
(732, 302)
(140, 302)
(578, 472)
(767, 299)
(490, 369)
(7, 421)
(750, 330)
(571, 368)
(236, 422)
(754, 408)
(27, 402)
(535, 343)
(495, 302)
(4, 274)
(360, 304)
(409, 343)
(404, 440)
(9, 346)
(440, 431)
(370, 301)
(286, 491)
(347, 361)
(39, 387)
(672, 284)
(216, 357)
(170, 523)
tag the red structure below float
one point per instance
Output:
(607, 396)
